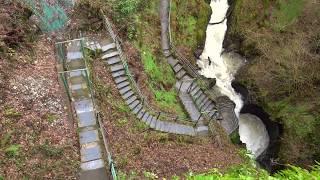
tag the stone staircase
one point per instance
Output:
(92, 163)
(112, 58)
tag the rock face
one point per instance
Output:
(229, 119)
(253, 133)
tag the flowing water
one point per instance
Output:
(221, 66)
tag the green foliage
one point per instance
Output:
(235, 137)
(1, 177)
(51, 118)
(248, 172)
(11, 113)
(12, 150)
(127, 7)
(158, 72)
(150, 175)
(287, 13)
(50, 151)
(122, 122)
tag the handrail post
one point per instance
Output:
(159, 113)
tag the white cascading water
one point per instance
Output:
(223, 68)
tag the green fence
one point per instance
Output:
(52, 16)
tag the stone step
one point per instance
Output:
(180, 74)
(88, 136)
(209, 108)
(113, 60)
(195, 91)
(124, 90)
(117, 67)
(145, 117)
(120, 79)
(200, 100)
(108, 46)
(127, 95)
(83, 106)
(197, 95)
(154, 122)
(86, 119)
(172, 61)
(76, 87)
(123, 84)
(141, 113)
(90, 152)
(118, 73)
(92, 165)
(137, 109)
(206, 105)
(76, 73)
(203, 102)
(149, 120)
(74, 56)
(177, 68)
(134, 104)
(202, 130)
(189, 106)
(131, 99)
(109, 55)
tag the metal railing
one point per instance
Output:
(160, 115)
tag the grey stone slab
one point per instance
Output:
(86, 119)
(120, 79)
(116, 67)
(75, 87)
(114, 60)
(124, 90)
(74, 56)
(206, 105)
(88, 136)
(189, 106)
(91, 165)
(153, 122)
(108, 47)
(202, 130)
(149, 120)
(90, 152)
(76, 73)
(177, 68)
(118, 73)
(131, 99)
(209, 108)
(145, 117)
(95, 174)
(127, 95)
(203, 102)
(141, 113)
(109, 55)
(200, 100)
(134, 104)
(123, 84)
(194, 91)
(83, 106)
(180, 74)
(137, 109)
(172, 61)
(159, 125)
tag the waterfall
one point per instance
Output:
(223, 66)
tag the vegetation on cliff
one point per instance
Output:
(281, 41)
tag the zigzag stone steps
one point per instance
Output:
(137, 109)
(124, 90)
(134, 104)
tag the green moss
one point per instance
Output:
(287, 13)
